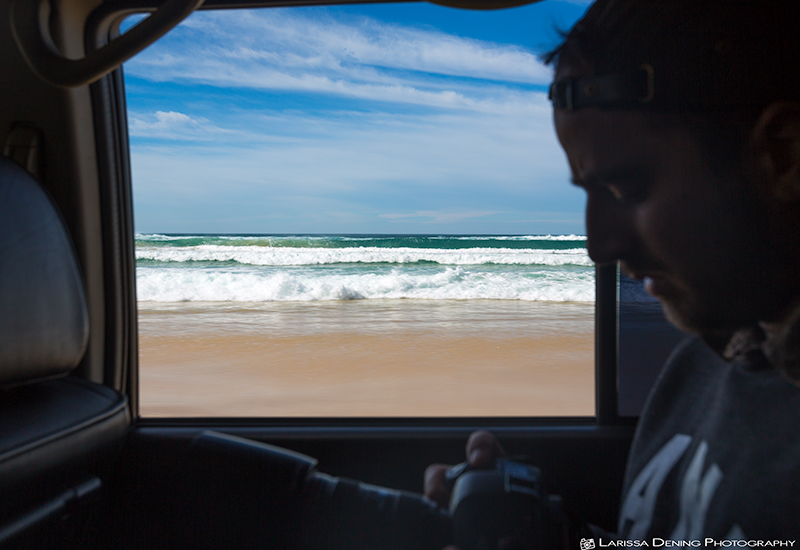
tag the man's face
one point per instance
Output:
(655, 204)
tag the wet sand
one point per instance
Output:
(367, 358)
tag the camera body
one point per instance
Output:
(504, 508)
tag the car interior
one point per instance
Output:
(79, 467)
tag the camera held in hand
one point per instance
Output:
(501, 508)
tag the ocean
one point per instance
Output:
(303, 268)
(365, 325)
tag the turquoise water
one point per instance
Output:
(285, 268)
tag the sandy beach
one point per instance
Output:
(367, 358)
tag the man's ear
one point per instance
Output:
(775, 143)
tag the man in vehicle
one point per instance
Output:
(681, 121)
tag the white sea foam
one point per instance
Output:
(164, 284)
(290, 256)
(519, 238)
(158, 237)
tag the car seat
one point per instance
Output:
(59, 435)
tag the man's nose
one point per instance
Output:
(609, 231)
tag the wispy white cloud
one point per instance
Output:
(235, 124)
(462, 135)
(284, 38)
(364, 59)
(172, 125)
(398, 155)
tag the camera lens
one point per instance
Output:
(343, 514)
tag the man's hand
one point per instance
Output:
(482, 449)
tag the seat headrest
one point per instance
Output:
(44, 322)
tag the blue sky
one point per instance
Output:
(385, 118)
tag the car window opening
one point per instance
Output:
(357, 211)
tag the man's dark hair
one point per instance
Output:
(706, 55)
(715, 64)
